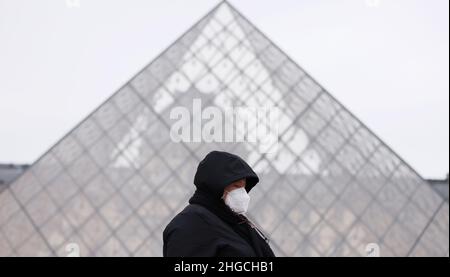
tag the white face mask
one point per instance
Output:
(238, 200)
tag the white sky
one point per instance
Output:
(386, 60)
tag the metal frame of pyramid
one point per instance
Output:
(111, 184)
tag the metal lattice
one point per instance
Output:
(113, 183)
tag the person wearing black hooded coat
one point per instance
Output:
(207, 227)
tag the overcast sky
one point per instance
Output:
(386, 60)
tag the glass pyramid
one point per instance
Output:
(331, 188)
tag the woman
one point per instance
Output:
(214, 222)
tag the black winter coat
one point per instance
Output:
(209, 228)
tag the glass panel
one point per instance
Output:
(113, 248)
(34, 247)
(46, 168)
(359, 237)
(145, 84)
(116, 211)
(88, 132)
(426, 199)
(378, 218)
(103, 152)
(99, 190)
(133, 233)
(107, 115)
(26, 186)
(267, 216)
(340, 217)
(95, 232)
(356, 198)
(67, 150)
(287, 237)
(41, 208)
(18, 222)
(320, 197)
(304, 217)
(78, 210)
(326, 107)
(391, 199)
(399, 240)
(174, 193)
(154, 212)
(126, 100)
(114, 182)
(283, 195)
(324, 238)
(136, 191)
(57, 230)
(413, 219)
(9, 206)
(83, 170)
(370, 178)
(405, 180)
(5, 249)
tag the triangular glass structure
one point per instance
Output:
(332, 188)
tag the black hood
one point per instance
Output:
(219, 169)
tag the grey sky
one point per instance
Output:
(386, 60)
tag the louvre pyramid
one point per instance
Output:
(113, 183)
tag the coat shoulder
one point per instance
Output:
(191, 233)
(190, 218)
